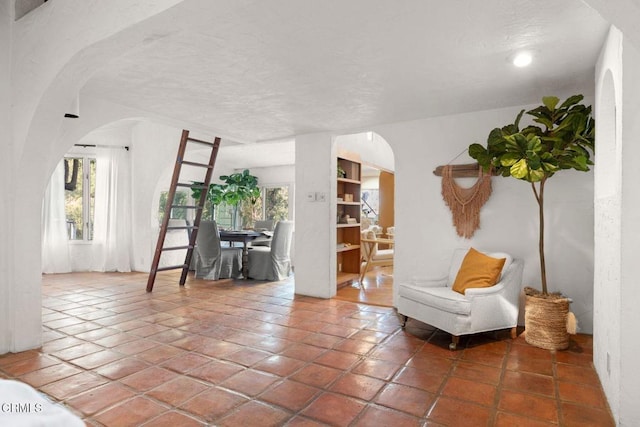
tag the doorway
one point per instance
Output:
(376, 217)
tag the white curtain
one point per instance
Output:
(55, 243)
(112, 220)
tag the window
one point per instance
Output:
(273, 203)
(276, 203)
(180, 198)
(79, 195)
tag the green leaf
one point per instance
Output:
(536, 175)
(476, 150)
(509, 159)
(495, 138)
(517, 122)
(572, 100)
(550, 102)
(521, 141)
(533, 143)
(549, 167)
(520, 169)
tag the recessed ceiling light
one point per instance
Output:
(522, 59)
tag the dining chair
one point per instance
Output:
(371, 254)
(212, 261)
(273, 262)
(266, 226)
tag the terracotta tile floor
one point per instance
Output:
(253, 354)
(378, 288)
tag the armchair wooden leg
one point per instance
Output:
(454, 342)
(514, 333)
(404, 320)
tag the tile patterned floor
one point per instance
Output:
(253, 354)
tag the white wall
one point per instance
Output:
(276, 175)
(630, 232)
(6, 177)
(154, 149)
(607, 227)
(617, 227)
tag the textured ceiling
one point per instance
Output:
(264, 70)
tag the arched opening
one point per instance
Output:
(365, 211)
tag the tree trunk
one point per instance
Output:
(540, 198)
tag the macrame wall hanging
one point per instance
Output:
(465, 203)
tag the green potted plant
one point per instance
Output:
(237, 188)
(563, 138)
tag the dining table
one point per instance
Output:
(244, 237)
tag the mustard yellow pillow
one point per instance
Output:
(477, 271)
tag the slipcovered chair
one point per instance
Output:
(274, 262)
(370, 253)
(266, 226)
(213, 262)
(477, 309)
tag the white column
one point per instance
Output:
(315, 237)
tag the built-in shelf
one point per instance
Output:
(349, 181)
(348, 248)
(348, 234)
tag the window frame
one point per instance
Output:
(288, 186)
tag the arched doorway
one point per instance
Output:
(375, 183)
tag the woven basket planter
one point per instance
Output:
(545, 320)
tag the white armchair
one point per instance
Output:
(434, 302)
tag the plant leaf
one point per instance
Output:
(550, 102)
(520, 169)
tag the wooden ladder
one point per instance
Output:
(175, 183)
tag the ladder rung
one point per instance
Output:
(181, 227)
(200, 165)
(185, 207)
(171, 267)
(175, 248)
(195, 186)
(199, 141)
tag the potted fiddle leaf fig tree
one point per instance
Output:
(562, 138)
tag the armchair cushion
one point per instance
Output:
(477, 271)
(440, 298)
